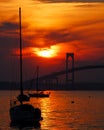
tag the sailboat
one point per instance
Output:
(38, 93)
(23, 112)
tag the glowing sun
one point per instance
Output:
(46, 53)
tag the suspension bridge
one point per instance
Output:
(68, 72)
(63, 72)
(71, 70)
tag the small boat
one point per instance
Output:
(20, 110)
(38, 93)
(23, 97)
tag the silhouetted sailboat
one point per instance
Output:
(38, 93)
(23, 112)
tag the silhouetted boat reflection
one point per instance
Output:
(22, 126)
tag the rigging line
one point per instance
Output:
(32, 80)
(20, 29)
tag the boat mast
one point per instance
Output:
(21, 85)
(37, 79)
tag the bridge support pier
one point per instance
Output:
(72, 67)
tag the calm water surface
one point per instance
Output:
(63, 110)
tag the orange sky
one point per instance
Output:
(58, 27)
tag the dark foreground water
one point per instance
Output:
(63, 110)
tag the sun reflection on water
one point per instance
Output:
(71, 110)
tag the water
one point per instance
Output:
(63, 110)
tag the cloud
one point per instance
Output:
(64, 1)
(46, 38)
(82, 36)
(8, 34)
(3, 1)
(8, 26)
(79, 36)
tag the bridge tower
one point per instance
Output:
(72, 67)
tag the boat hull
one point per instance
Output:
(39, 95)
(23, 97)
(25, 113)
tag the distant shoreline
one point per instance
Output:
(76, 86)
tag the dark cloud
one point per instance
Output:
(8, 26)
(86, 23)
(49, 37)
(8, 42)
(79, 34)
(58, 36)
(77, 37)
(8, 34)
(86, 5)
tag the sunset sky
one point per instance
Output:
(50, 29)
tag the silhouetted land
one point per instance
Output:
(77, 86)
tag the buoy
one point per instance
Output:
(72, 101)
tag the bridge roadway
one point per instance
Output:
(52, 75)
